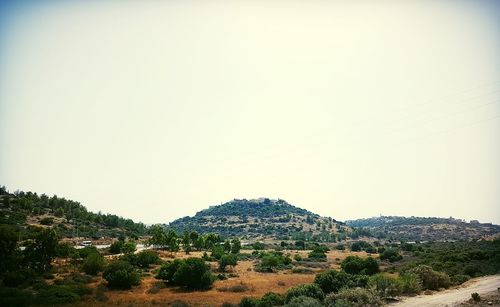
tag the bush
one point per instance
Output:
(475, 297)
(94, 263)
(116, 247)
(304, 301)
(249, 302)
(459, 279)
(332, 281)
(384, 285)
(217, 252)
(15, 297)
(271, 299)
(16, 278)
(227, 259)
(431, 279)
(391, 254)
(57, 295)
(192, 273)
(357, 265)
(357, 297)
(146, 258)
(47, 221)
(410, 283)
(128, 247)
(121, 274)
(309, 290)
(270, 262)
(297, 257)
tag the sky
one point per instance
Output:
(154, 110)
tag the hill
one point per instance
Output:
(425, 228)
(264, 218)
(28, 210)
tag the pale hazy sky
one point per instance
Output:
(154, 110)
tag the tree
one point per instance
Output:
(116, 247)
(192, 273)
(8, 245)
(147, 257)
(227, 259)
(391, 254)
(227, 246)
(128, 247)
(309, 290)
(236, 246)
(186, 242)
(357, 265)
(40, 252)
(121, 274)
(94, 263)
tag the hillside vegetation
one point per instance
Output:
(27, 211)
(265, 218)
(425, 228)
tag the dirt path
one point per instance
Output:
(454, 296)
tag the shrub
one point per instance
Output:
(94, 263)
(15, 297)
(304, 301)
(475, 297)
(192, 273)
(357, 265)
(333, 281)
(410, 283)
(384, 285)
(121, 274)
(116, 247)
(459, 279)
(249, 302)
(16, 278)
(391, 254)
(146, 258)
(309, 290)
(128, 247)
(217, 252)
(357, 297)
(57, 295)
(227, 259)
(431, 279)
(270, 262)
(297, 257)
(272, 299)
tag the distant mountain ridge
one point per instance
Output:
(263, 218)
(426, 228)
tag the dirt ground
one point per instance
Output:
(455, 297)
(257, 283)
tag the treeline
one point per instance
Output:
(16, 207)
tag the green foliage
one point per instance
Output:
(391, 254)
(410, 283)
(18, 277)
(332, 281)
(16, 297)
(57, 295)
(192, 273)
(128, 247)
(93, 264)
(357, 265)
(258, 246)
(146, 258)
(309, 290)
(354, 297)
(227, 259)
(270, 262)
(8, 245)
(297, 257)
(47, 221)
(271, 299)
(40, 252)
(116, 247)
(384, 285)
(304, 301)
(217, 252)
(431, 279)
(235, 246)
(121, 275)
